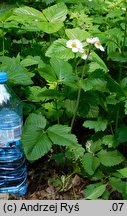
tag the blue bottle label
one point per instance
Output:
(10, 135)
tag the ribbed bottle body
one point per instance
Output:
(13, 172)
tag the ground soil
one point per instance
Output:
(39, 187)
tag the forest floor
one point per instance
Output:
(44, 183)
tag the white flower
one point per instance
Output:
(85, 54)
(92, 40)
(90, 0)
(99, 46)
(75, 45)
(96, 42)
(88, 145)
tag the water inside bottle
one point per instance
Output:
(10, 127)
(13, 173)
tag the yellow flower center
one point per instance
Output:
(74, 45)
(98, 43)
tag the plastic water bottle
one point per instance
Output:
(13, 173)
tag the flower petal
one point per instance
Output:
(84, 56)
(69, 43)
(92, 40)
(99, 46)
(75, 49)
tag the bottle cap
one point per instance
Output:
(3, 77)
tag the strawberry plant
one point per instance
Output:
(68, 61)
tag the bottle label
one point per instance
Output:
(10, 135)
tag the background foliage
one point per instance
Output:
(49, 77)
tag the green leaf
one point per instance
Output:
(63, 70)
(5, 11)
(59, 71)
(90, 163)
(97, 59)
(125, 107)
(50, 27)
(56, 13)
(94, 83)
(113, 86)
(29, 13)
(69, 106)
(123, 172)
(108, 140)
(75, 153)
(32, 60)
(16, 72)
(49, 1)
(93, 112)
(96, 191)
(48, 74)
(110, 158)
(60, 135)
(47, 94)
(88, 99)
(35, 141)
(95, 146)
(59, 50)
(77, 33)
(99, 125)
(119, 57)
(93, 66)
(123, 85)
(117, 184)
(122, 134)
(35, 93)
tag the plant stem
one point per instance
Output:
(3, 41)
(56, 104)
(78, 96)
(120, 73)
(125, 33)
(111, 128)
(76, 108)
(118, 110)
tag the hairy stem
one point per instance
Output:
(78, 96)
